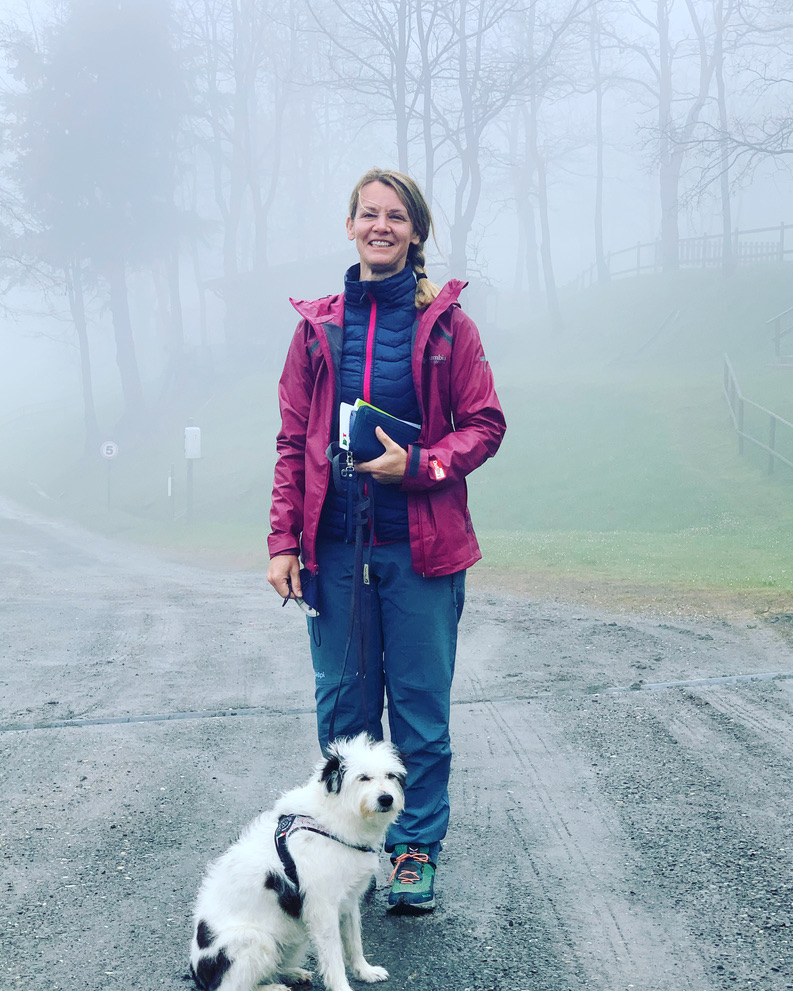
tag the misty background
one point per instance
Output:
(172, 172)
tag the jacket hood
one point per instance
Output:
(448, 296)
(321, 310)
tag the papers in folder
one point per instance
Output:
(357, 423)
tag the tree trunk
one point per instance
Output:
(74, 283)
(203, 323)
(727, 256)
(667, 178)
(594, 42)
(134, 407)
(424, 32)
(400, 95)
(175, 293)
(527, 262)
(549, 277)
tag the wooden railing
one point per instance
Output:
(783, 325)
(749, 247)
(778, 431)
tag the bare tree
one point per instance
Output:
(244, 65)
(678, 107)
(764, 130)
(33, 256)
(599, 86)
(486, 74)
(551, 41)
(723, 12)
(436, 72)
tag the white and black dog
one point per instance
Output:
(296, 874)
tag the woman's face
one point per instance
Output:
(382, 232)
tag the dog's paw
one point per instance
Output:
(371, 974)
(298, 975)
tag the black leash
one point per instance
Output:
(360, 518)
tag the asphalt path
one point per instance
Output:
(621, 784)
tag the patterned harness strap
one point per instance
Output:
(289, 824)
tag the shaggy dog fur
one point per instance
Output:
(253, 922)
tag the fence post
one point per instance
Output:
(772, 445)
(740, 425)
(782, 241)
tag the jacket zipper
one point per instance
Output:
(368, 361)
(368, 357)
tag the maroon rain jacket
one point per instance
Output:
(462, 426)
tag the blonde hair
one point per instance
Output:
(418, 211)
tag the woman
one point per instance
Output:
(395, 340)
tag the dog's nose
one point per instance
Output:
(386, 801)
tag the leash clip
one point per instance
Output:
(348, 471)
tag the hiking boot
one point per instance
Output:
(412, 880)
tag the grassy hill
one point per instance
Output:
(619, 465)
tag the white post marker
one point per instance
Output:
(192, 443)
(109, 450)
(192, 452)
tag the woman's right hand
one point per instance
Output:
(285, 568)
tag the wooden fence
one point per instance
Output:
(751, 420)
(750, 247)
(783, 326)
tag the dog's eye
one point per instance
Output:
(391, 777)
(364, 777)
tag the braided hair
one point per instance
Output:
(418, 211)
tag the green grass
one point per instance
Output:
(633, 483)
(619, 464)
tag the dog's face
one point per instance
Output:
(367, 775)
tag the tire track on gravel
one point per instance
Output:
(583, 864)
(753, 716)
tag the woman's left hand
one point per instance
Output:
(389, 468)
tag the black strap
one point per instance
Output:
(285, 824)
(294, 822)
(362, 518)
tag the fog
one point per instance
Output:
(172, 173)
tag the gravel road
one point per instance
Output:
(621, 786)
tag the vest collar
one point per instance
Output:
(396, 290)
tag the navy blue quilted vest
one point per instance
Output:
(379, 326)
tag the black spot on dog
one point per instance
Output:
(211, 970)
(204, 935)
(333, 774)
(289, 897)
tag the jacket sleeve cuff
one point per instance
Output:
(416, 468)
(284, 545)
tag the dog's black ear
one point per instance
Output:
(332, 774)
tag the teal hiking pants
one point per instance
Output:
(411, 646)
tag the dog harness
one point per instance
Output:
(293, 823)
